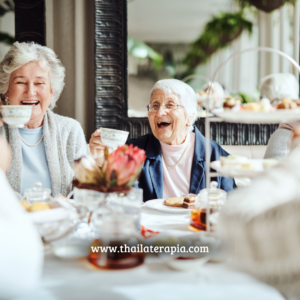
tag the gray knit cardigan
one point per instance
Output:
(64, 142)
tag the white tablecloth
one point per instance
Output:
(66, 280)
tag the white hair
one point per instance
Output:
(185, 93)
(278, 86)
(22, 53)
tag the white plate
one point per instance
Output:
(203, 114)
(260, 117)
(158, 204)
(232, 172)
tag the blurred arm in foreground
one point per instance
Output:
(260, 225)
(21, 252)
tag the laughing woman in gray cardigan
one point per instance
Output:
(44, 150)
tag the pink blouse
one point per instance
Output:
(176, 181)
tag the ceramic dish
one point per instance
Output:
(158, 204)
(54, 223)
(260, 117)
(236, 171)
(187, 263)
(113, 138)
(71, 248)
(188, 260)
(16, 115)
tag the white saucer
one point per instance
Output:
(260, 117)
(235, 172)
(158, 204)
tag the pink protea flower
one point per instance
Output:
(124, 166)
(120, 169)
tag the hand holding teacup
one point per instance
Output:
(96, 145)
(106, 137)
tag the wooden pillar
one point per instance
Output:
(110, 63)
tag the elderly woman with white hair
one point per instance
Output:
(175, 150)
(46, 147)
(275, 87)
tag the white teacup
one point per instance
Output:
(16, 115)
(113, 138)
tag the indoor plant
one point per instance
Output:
(217, 34)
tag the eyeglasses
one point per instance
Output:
(167, 107)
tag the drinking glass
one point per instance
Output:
(130, 204)
(208, 203)
(85, 202)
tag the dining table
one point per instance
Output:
(72, 279)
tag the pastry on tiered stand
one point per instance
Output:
(287, 103)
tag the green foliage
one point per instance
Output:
(217, 34)
(245, 98)
(6, 38)
(6, 6)
(140, 50)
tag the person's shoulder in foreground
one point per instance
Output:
(21, 251)
(279, 144)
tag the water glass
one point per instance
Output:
(130, 204)
(85, 200)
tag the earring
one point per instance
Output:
(6, 101)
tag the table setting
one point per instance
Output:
(105, 209)
(99, 212)
(69, 278)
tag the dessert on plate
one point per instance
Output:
(174, 201)
(186, 201)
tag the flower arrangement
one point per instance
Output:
(119, 171)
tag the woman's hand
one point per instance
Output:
(5, 157)
(97, 147)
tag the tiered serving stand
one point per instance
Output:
(249, 117)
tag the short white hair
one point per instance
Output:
(278, 86)
(22, 53)
(186, 94)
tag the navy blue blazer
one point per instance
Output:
(151, 179)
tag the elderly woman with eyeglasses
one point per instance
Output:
(175, 150)
(44, 150)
